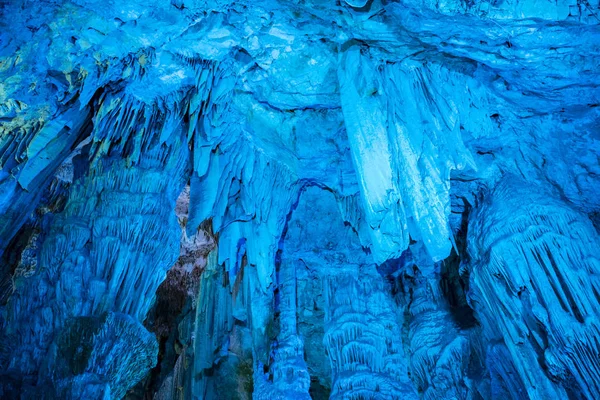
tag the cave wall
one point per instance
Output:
(294, 199)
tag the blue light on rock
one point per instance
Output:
(299, 199)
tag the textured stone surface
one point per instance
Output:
(209, 199)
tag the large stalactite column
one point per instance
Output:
(535, 288)
(78, 319)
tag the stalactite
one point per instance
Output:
(404, 177)
(331, 153)
(101, 263)
(534, 282)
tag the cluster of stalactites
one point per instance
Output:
(404, 145)
(244, 191)
(534, 287)
(105, 255)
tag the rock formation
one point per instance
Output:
(296, 199)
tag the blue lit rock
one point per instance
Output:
(299, 199)
(538, 273)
